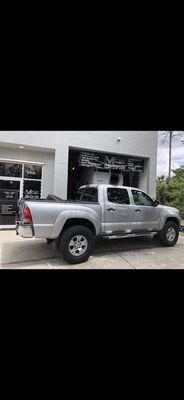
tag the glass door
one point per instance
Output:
(17, 180)
(9, 195)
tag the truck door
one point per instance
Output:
(146, 214)
(118, 211)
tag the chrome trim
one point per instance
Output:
(24, 230)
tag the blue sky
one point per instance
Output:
(163, 153)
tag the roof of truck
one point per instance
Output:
(108, 186)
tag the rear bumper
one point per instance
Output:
(24, 230)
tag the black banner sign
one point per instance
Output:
(8, 209)
(9, 194)
(110, 161)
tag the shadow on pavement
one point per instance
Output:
(30, 250)
(27, 251)
(129, 244)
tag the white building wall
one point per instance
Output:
(134, 143)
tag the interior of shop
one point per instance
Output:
(85, 168)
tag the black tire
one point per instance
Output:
(66, 238)
(164, 241)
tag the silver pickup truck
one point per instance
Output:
(99, 210)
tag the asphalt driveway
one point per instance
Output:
(137, 253)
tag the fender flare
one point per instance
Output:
(166, 216)
(66, 215)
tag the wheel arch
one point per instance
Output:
(173, 219)
(167, 218)
(78, 221)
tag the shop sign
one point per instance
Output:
(32, 194)
(9, 194)
(8, 209)
(109, 161)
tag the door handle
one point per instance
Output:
(138, 210)
(111, 209)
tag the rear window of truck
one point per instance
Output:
(88, 194)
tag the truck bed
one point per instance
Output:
(49, 215)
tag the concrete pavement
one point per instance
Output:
(137, 253)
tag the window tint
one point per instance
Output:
(1, 169)
(14, 185)
(87, 194)
(10, 169)
(141, 199)
(119, 196)
(90, 194)
(9, 194)
(32, 189)
(32, 171)
(79, 194)
(9, 190)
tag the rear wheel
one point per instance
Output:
(169, 234)
(76, 244)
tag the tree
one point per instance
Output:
(170, 191)
(171, 135)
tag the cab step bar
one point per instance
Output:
(128, 235)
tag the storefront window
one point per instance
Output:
(32, 189)
(11, 169)
(12, 189)
(9, 190)
(32, 171)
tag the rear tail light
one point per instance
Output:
(27, 217)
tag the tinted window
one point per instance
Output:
(141, 199)
(32, 190)
(119, 196)
(10, 169)
(9, 194)
(90, 194)
(1, 169)
(32, 171)
(79, 194)
(14, 185)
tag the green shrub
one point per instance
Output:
(171, 191)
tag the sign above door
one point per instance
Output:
(110, 161)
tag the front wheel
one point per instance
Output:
(169, 234)
(76, 244)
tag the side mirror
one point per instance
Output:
(156, 202)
